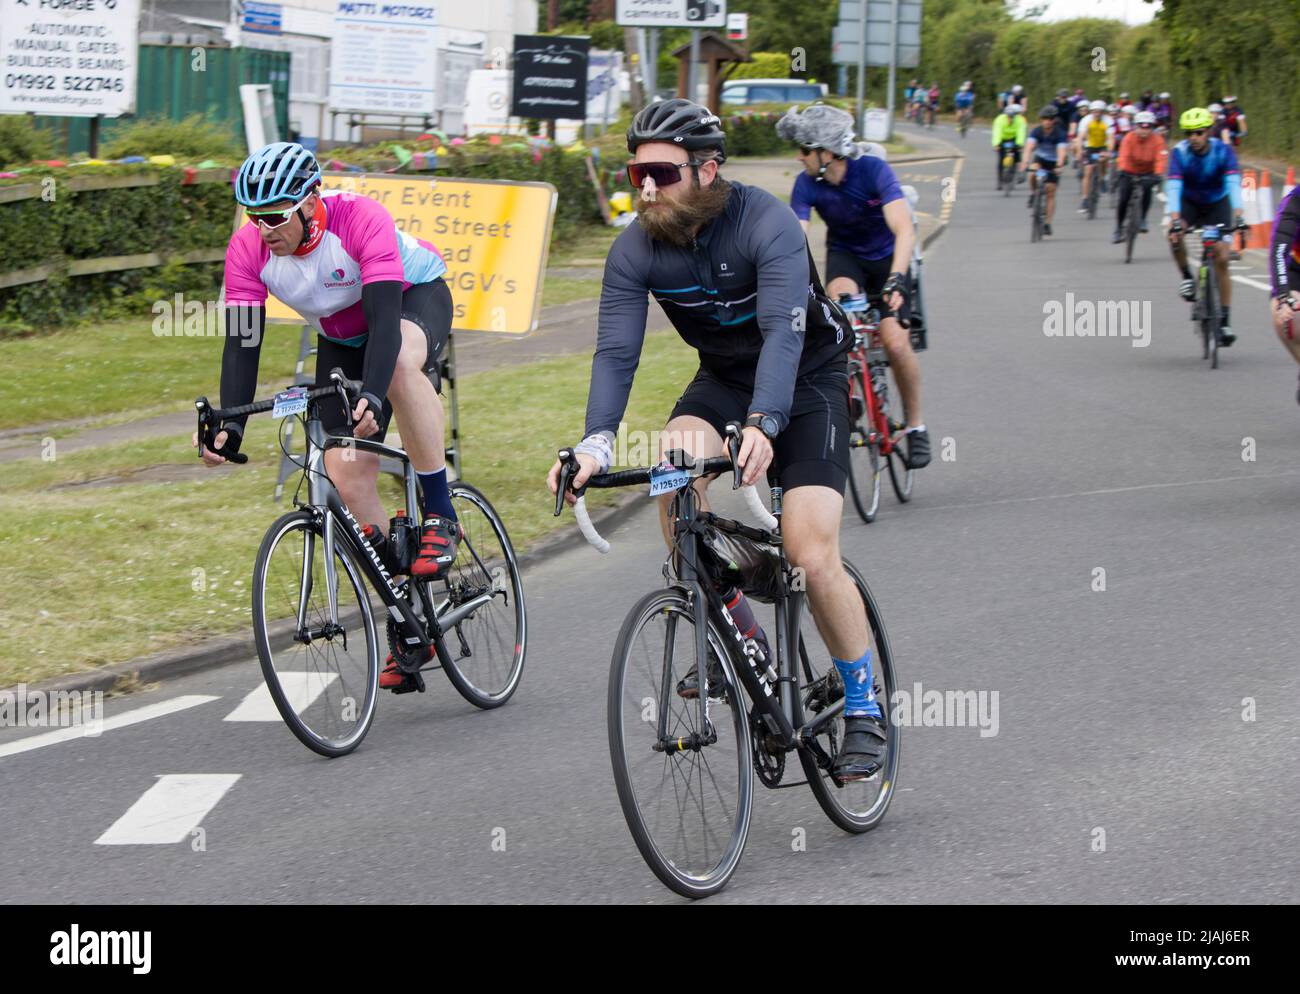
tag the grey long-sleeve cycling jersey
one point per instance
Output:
(745, 296)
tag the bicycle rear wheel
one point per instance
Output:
(864, 456)
(859, 805)
(1036, 231)
(688, 810)
(900, 475)
(1211, 317)
(1131, 216)
(325, 680)
(486, 648)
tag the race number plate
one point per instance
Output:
(291, 401)
(666, 479)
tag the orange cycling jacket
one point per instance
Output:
(1142, 157)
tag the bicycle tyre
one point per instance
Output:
(675, 601)
(828, 795)
(900, 475)
(323, 684)
(466, 578)
(1213, 316)
(864, 458)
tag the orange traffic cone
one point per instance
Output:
(1289, 185)
(1262, 228)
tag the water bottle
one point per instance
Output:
(403, 537)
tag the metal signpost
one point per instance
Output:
(877, 33)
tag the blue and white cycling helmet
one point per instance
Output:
(280, 171)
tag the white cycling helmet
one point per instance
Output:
(1128, 109)
(1097, 105)
(1123, 96)
(1014, 109)
(1144, 117)
(1017, 88)
(1165, 95)
(1215, 108)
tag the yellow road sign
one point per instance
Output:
(494, 236)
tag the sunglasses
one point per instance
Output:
(275, 219)
(805, 150)
(663, 173)
(1198, 131)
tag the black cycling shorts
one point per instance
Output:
(813, 451)
(869, 274)
(1050, 166)
(428, 306)
(1196, 215)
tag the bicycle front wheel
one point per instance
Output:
(324, 676)
(859, 805)
(486, 648)
(1131, 216)
(900, 475)
(688, 808)
(1213, 316)
(864, 454)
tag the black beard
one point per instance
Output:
(677, 224)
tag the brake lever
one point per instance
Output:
(733, 450)
(337, 378)
(568, 469)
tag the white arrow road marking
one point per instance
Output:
(90, 730)
(302, 689)
(169, 810)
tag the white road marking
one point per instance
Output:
(170, 810)
(1255, 283)
(302, 689)
(150, 711)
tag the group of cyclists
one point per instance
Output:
(731, 267)
(1200, 174)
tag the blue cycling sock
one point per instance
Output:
(437, 500)
(859, 694)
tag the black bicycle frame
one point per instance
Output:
(775, 690)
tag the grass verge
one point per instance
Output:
(103, 573)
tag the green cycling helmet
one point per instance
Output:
(1195, 119)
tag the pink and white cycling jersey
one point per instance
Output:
(361, 244)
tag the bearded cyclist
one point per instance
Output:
(869, 238)
(733, 272)
(1203, 188)
(377, 299)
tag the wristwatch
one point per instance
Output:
(764, 423)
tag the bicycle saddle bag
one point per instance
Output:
(736, 561)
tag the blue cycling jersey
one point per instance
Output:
(854, 209)
(964, 99)
(1205, 178)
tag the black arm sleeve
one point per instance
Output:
(620, 331)
(780, 253)
(245, 328)
(382, 303)
(1284, 236)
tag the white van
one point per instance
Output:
(771, 91)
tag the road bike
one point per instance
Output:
(1038, 208)
(1007, 174)
(1097, 165)
(684, 767)
(1207, 313)
(314, 626)
(1137, 187)
(963, 120)
(875, 435)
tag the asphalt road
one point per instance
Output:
(1122, 769)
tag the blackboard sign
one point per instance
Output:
(550, 77)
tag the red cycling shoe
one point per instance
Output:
(439, 539)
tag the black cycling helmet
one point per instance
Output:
(1049, 111)
(680, 122)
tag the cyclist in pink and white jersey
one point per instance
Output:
(376, 296)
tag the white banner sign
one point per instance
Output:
(603, 98)
(672, 13)
(383, 59)
(74, 58)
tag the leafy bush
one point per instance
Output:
(194, 139)
(766, 65)
(21, 141)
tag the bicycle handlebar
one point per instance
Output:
(569, 467)
(210, 418)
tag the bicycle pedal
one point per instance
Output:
(410, 683)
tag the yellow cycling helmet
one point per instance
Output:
(1195, 119)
